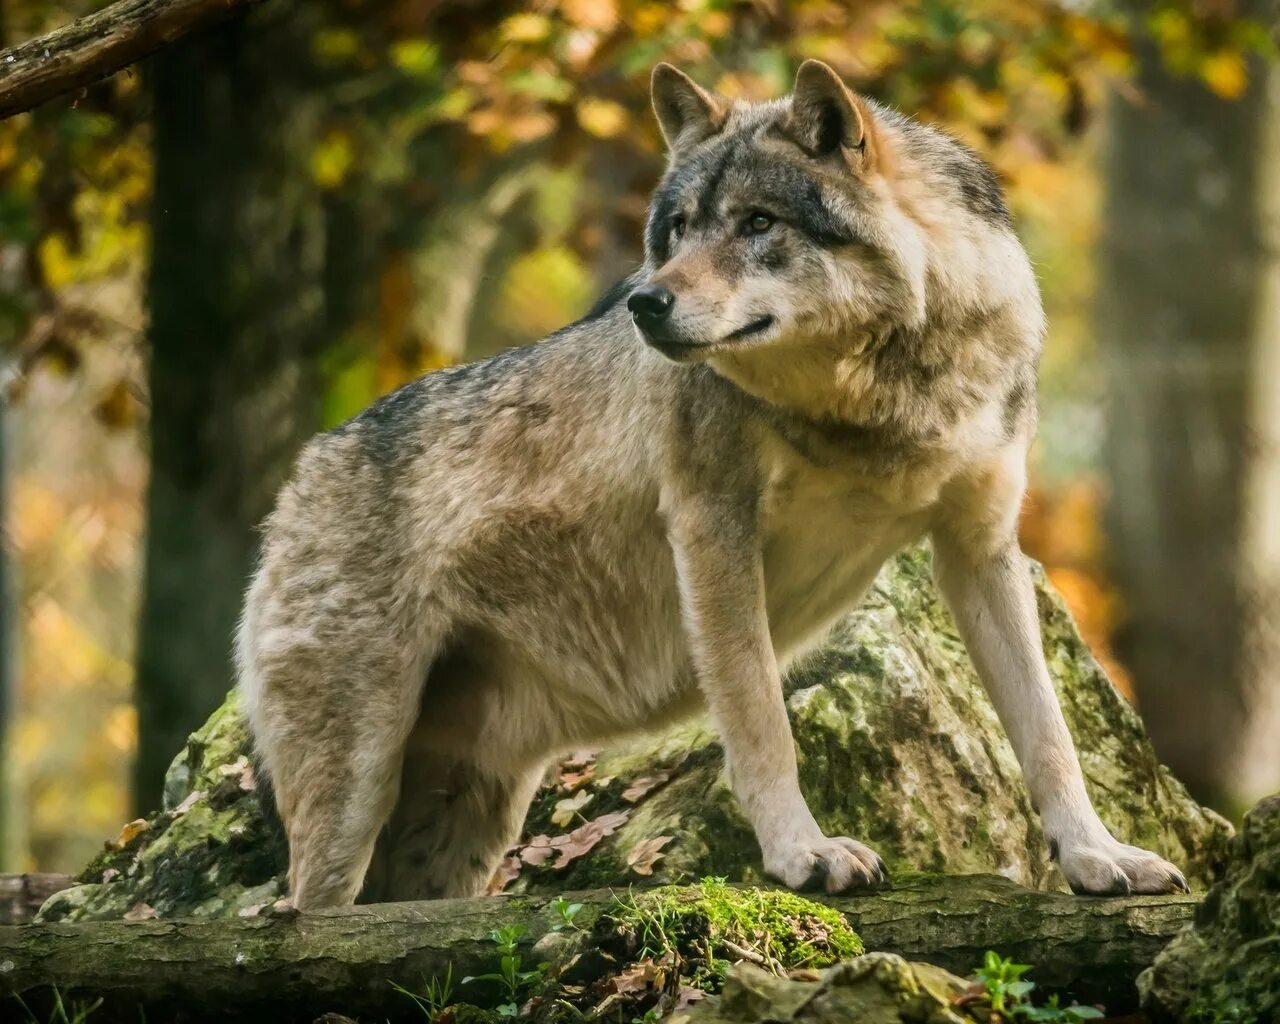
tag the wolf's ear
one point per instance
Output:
(687, 113)
(828, 120)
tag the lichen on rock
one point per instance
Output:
(1225, 968)
(897, 743)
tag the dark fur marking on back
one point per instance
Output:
(1020, 397)
(979, 187)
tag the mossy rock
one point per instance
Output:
(879, 988)
(1225, 969)
(897, 742)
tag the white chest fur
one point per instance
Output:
(828, 528)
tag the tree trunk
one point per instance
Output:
(1185, 327)
(347, 960)
(237, 320)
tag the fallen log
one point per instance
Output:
(22, 895)
(349, 961)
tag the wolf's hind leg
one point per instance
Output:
(331, 730)
(454, 821)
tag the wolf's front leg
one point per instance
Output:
(722, 599)
(991, 595)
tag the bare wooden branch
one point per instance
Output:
(99, 45)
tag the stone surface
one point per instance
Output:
(878, 988)
(1225, 969)
(898, 746)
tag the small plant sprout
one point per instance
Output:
(567, 911)
(1010, 995)
(509, 975)
(435, 996)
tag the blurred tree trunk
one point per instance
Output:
(1190, 328)
(237, 319)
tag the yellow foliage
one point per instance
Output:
(331, 159)
(602, 118)
(525, 28)
(545, 290)
(598, 15)
(1226, 74)
(417, 57)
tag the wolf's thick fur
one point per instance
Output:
(833, 353)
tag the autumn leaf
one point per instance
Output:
(140, 911)
(569, 808)
(191, 799)
(571, 780)
(583, 839)
(129, 833)
(687, 996)
(539, 850)
(646, 853)
(638, 978)
(644, 785)
(505, 873)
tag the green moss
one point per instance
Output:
(716, 922)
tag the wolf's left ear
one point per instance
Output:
(827, 119)
(687, 113)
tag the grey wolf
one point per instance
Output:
(829, 352)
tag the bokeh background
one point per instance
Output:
(247, 238)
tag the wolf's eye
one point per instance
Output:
(677, 226)
(758, 223)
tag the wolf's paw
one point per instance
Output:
(1115, 869)
(834, 863)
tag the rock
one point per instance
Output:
(879, 988)
(898, 746)
(1225, 968)
(213, 850)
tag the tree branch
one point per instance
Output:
(99, 45)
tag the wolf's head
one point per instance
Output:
(812, 226)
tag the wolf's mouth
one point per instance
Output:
(755, 327)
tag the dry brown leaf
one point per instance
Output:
(571, 780)
(233, 768)
(687, 996)
(539, 849)
(580, 759)
(505, 873)
(192, 798)
(584, 838)
(140, 912)
(129, 833)
(646, 853)
(638, 978)
(644, 785)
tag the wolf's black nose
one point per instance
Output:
(650, 304)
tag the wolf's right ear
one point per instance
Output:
(687, 113)
(827, 119)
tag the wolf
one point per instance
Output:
(829, 352)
